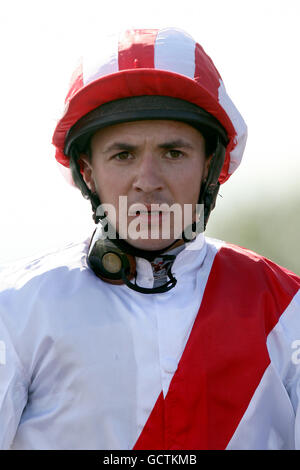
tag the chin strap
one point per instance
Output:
(210, 187)
(113, 261)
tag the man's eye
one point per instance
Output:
(174, 154)
(122, 156)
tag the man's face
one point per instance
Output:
(151, 163)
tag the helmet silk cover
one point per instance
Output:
(165, 62)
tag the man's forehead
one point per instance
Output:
(158, 131)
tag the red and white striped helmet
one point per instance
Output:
(164, 62)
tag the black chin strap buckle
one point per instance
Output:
(152, 290)
(113, 265)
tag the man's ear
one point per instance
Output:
(87, 171)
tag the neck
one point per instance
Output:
(114, 261)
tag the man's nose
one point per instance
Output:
(148, 176)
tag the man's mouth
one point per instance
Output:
(148, 212)
(147, 217)
(155, 208)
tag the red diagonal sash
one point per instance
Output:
(225, 356)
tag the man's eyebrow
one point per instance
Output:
(170, 144)
(176, 143)
(119, 146)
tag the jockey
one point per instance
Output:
(148, 334)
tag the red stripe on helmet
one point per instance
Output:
(206, 73)
(76, 82)
(136, 49)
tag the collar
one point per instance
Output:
(147, 271)
(187, 257)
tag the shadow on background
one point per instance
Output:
(268, 227)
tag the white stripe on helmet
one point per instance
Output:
(103, 60)
(239, 126)
(175, 51)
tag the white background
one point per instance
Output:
(254, 44)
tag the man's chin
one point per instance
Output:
(150, 244)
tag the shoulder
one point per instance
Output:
(254, 293)
(46, 265)
(44, 282)
(252, 270)
(38, 296)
